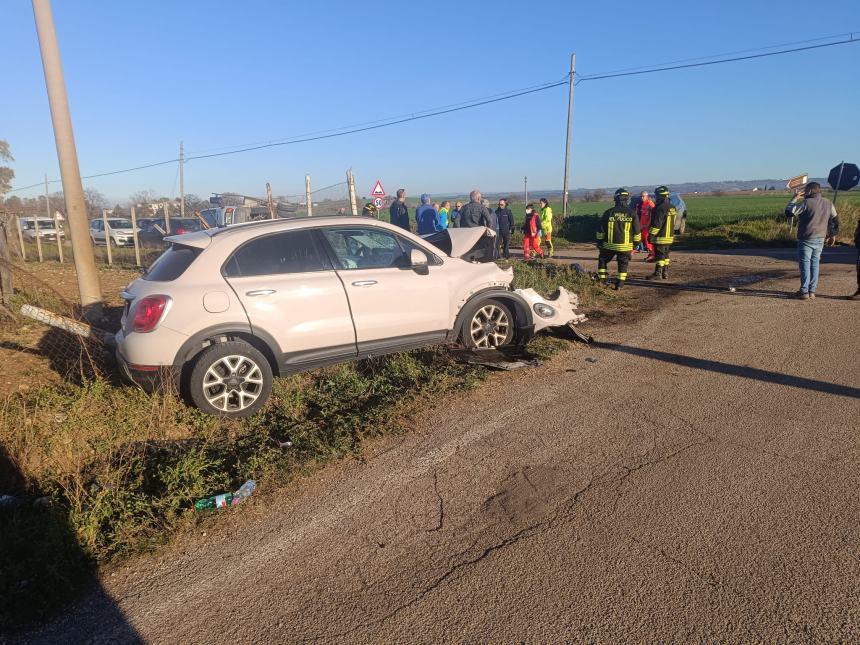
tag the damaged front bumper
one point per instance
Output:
(555, 311)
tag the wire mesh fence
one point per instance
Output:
(55, 328)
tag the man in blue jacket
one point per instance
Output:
(426, 217)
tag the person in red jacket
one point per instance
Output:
(643, 212)
(531, 228)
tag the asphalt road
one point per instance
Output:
(693, 477)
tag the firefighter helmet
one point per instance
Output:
(661, 191)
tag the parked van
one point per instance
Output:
(228, 215)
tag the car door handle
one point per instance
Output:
(364, 283)
(260, 292)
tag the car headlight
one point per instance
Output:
(543, 310)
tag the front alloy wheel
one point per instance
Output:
(231, 379)
(491, 325)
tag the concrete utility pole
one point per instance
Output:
(526, 189)
(350, 183)
(565, 199)
(181, 180)
(76, 210)
(308, 195)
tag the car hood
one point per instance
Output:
(464, 240)
(474, 244)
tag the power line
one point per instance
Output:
(597, 77)
(380, 125)
(466, 105)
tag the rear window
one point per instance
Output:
(172, 263)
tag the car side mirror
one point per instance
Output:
(418, 261)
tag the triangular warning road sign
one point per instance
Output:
(378, 190)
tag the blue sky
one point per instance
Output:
(142, 76)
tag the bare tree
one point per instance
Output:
(143, 197)
(96, 202)
(6, 173)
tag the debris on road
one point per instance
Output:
(244, 492)
(500, 358)
(590, 359)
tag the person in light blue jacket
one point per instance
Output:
(443, 215)
(426, 216)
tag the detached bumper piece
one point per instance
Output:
(512, 357)
(556, 311)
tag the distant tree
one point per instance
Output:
(194, 203)
(96, 202)
(142, 198)
(6, 173)
(718, 192)
(594, 195)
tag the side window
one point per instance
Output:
(97, 225)
(407, 250)
(290, 252)
(365, 248)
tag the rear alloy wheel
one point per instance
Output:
(490, 325)
(231, 379)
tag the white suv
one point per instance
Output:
(223, 310)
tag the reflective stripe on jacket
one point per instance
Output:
(619, 230)
(663, 223)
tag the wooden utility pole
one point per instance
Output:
(270, 201)
(181, 180)
(73, 190)
(308, 195)
(565, 199)
(350, 182)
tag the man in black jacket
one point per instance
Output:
(399, 212)
(505, 222)
(619, 231)
(662, 232)
(474, 213)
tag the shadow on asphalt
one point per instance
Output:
(724, 290)
(734, 370)
(831, 255)
(43, 568)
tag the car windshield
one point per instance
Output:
(211, 217)
(119, 223)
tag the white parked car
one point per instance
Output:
(119, 231)
(224, 310)
(47, 229)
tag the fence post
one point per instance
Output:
(21, 238)
(5, 265)
(38, 237)
(59, 237)
(308, 195)
(350, 182)
(134, 233)
(166, 209)
(107, 236)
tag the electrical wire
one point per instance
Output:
(466, 105)
(597, 77)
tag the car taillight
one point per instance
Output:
(181, 231)
(148, 313)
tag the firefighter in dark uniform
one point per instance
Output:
(662, 232)
(619, 231)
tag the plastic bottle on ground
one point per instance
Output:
(244, 492)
